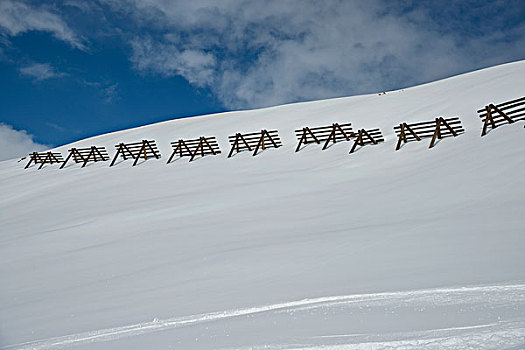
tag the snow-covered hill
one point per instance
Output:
(415, 249)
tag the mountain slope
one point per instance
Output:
(316, 249)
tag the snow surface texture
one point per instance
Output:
(415, 249)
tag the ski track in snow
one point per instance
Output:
(476, 336)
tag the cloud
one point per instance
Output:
(40, 71)
(56, 127)
(259, 53)
(17, 17)
(195, 66)
(110, 93)
(17, 143)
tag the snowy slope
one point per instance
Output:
(415, 249)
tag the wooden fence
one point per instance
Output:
(86, 155)
(254, 141)
(144, 149)
(190, 148)
(335, 133)
(44, 158)
(365, 137)
(491, 115)
(506, 112)
(437, 129)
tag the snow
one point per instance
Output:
(414, 249)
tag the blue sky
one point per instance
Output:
(73, 69)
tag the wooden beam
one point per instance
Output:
(200, 145)
(271, 139)
(157, 156)
(303, 137)
(502, 114)
(178, 147)
(401, 136)
(45, 160)
(332, 135)
(357, 141)
(342, 132)
(313, 135)
(235, 143)
(488, 118)
(450, 128)
(119, 150)
(100, 153)
(33, 157)
(68, 157)
(437, 132)
(261, 140)
(91, 152)
(209, 146)
(412, 132)
(142, 148)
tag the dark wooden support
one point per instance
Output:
(50, 158)
(192, 148)
(360, 139)
(45, 161)
(181, 145)
(264, 134)
(488, 119)
(330, 137)
(209, 146)
(44, 158)
(199, 146)
(261, 141)
(450, 128)
(436, 129)
(333, 137)
(402, 135)
(437, 133)
(369, 137)
(154, 151)
(33, 158)
(185, 146)
(119, 151)
(91, 153)
(505, 116)
(72, 153)
(67, 159)
(496, 115)
(301, 140)
(85, 155)
(324, 134)
(254, 141)
(102, 157)
(175, 152)
(144, 149)
(236, 145)
(304, 138)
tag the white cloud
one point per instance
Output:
(40, 71)
(110, 93)
(16, 143)
(258, 53)
(17, 17)
(196, 66)
(108, 90)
